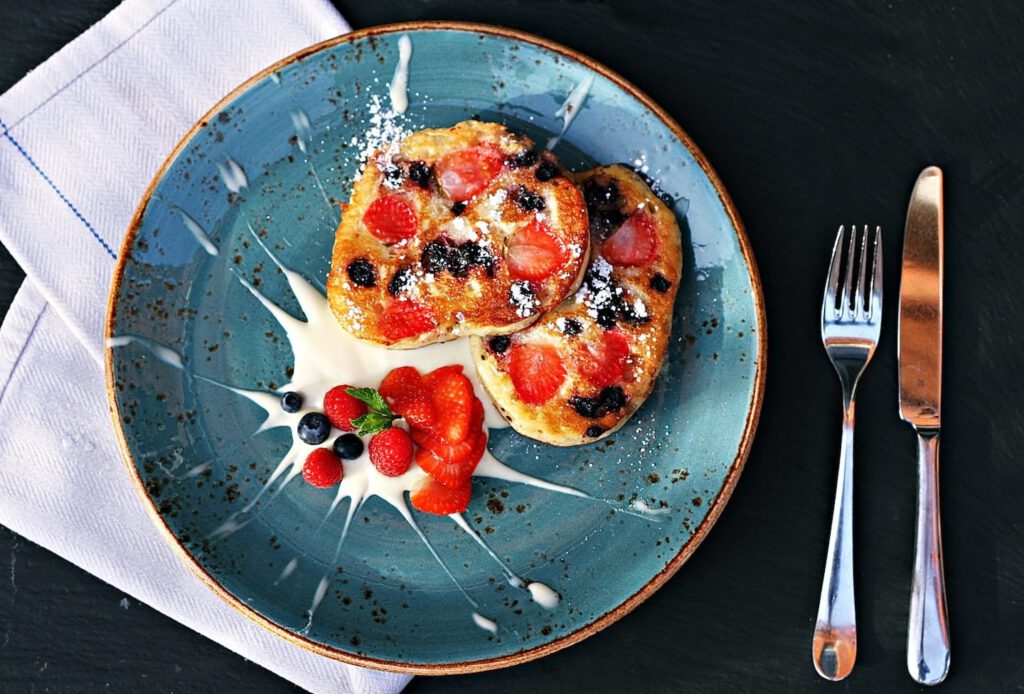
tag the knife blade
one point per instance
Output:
(920, 328)
(920, 377)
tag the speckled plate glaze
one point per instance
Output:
(193, 449)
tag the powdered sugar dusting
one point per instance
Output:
(385, 130)
(599, 291)
(523, 298)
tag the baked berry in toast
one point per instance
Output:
(579, 372)
(462, 231)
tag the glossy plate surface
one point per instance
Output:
(389, 605)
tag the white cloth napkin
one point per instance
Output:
(80, 138)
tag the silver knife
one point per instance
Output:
(920, 366)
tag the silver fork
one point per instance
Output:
(851, 320)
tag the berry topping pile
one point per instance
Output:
(443, 433)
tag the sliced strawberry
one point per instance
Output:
(534, 253)
(537, 372)
(634, 243)
(391, 219)
(430, 496)
(398, 381)
(453, 400)
(456, 452)
(604, 363)
(465, 173)
(417, 406)
(452, 473)
(404, 319)
(434, 377)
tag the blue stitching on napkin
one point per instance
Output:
(49, 181)
(100, 60)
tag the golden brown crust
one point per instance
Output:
(484, 299)
(557, 421)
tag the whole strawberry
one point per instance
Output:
(322, 468)
(341, 408)
(391, 452)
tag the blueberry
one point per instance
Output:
(458, 208)
(393, 175)
(360, 271)
(435, 256)
(500, 343)
(476, 255)
(521, 160)
(572, 327)
(420, 174)
(458, 261)
(398, 281)
(314, 428)
(629, 315)
(593, 431)
(598, 196)
(348, 446)
(606, 317)
(612, 398)
(291, 401)
(546, 171)
(585, 407)
(604, 222)
(659, 283)
(528, 201)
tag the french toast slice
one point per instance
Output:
(582, 370)
(459, 231)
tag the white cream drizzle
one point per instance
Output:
(197, 231)
(303, 135)
(233, 175)
(399, 88)
(570, 108)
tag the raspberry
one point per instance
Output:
(322, 468)
(341, 408)
(391, 452)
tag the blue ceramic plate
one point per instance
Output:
(193, 447)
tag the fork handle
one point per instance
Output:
(928, 633)
(834, 648)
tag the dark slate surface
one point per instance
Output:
(814, 114)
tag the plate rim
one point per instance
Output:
(631, 602)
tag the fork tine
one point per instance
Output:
(848, 282)
(860, 304)
(832, 284)
(875, 308)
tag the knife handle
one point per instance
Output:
(928, 633)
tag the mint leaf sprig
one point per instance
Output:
(379, 416)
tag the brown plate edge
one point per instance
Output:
(628, 605)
